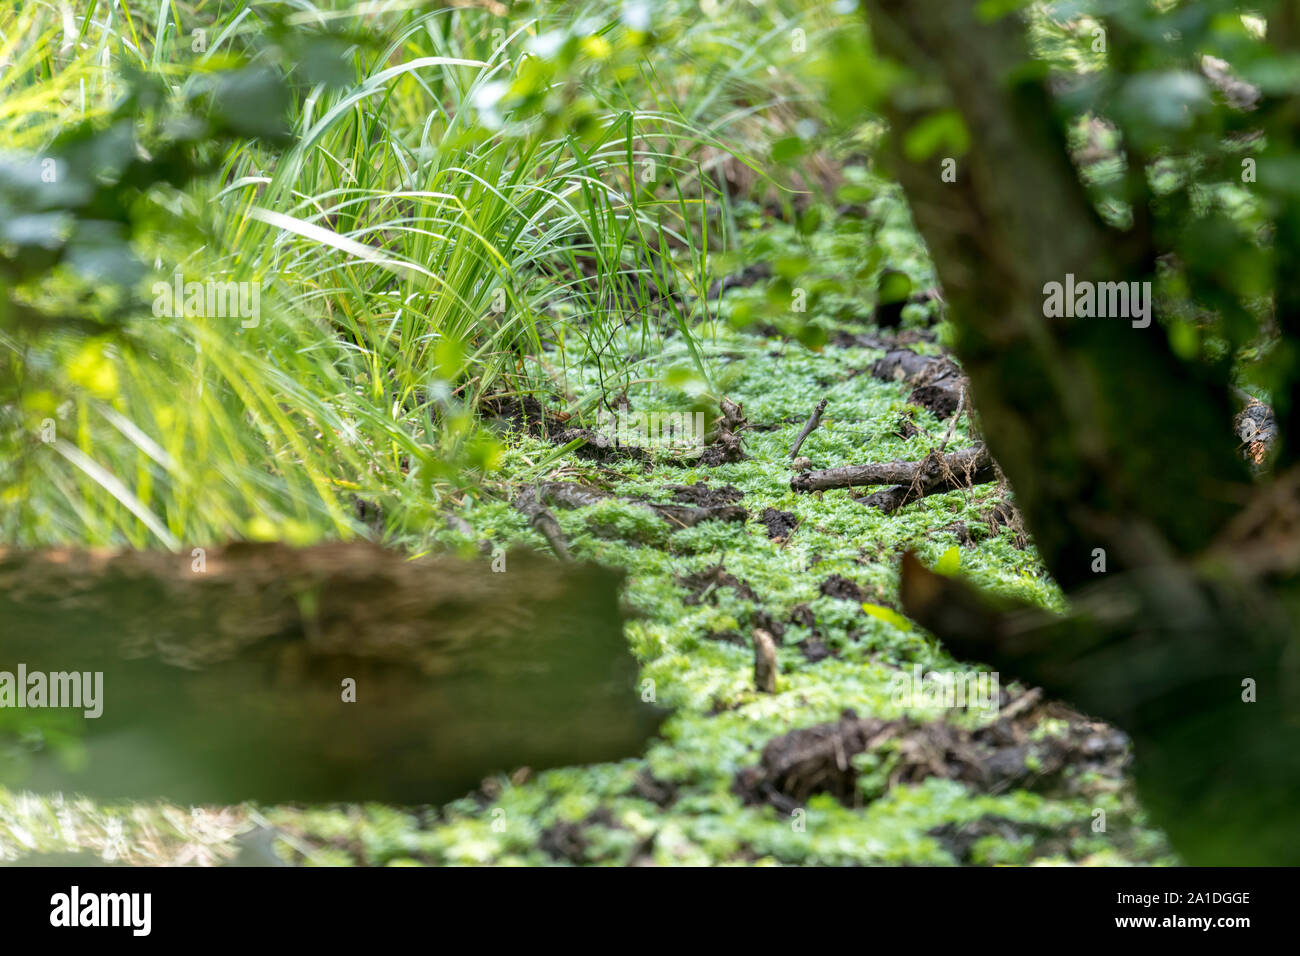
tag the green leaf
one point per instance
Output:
(788, 149)
(949, 562)
(888, 615)
(944, 128)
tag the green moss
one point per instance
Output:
(719, 724)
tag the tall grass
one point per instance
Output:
(451, 222)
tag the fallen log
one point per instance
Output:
(910, 480)
(341, 672)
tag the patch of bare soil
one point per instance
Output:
(599, 448)
(703, 584)
(702, 496)
(568, 841)
(840, 587)
(570, 494)
(801, 615)
(647, 786)
(814, 649)
(937, 382)
(779, 524)
(526, 414)
(726, 637)
(1000, 756)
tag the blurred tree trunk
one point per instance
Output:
(1117, 450)
(339, 672)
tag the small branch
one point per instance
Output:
(910, 479)
(854, 476)
(528, 503)
(969, 460)
(961, 403)
(810, 426)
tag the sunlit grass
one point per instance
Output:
(437, 230)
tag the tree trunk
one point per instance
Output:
(1182, 574)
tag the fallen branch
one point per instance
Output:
(814, 420)
(888, 473)
(933, 474)
(528, 503)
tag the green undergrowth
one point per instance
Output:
(675, 805)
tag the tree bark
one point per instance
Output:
(1076, 412)
(1184, 577)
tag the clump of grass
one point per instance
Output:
(467, 206)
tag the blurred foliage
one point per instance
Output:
(1187, 112)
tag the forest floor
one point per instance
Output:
(736, 252)
(892, 782)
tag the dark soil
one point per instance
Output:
(659, 792)
(1005, 754)
(598, 448)
(940, 402)
(525, 414)
(840, 587)
(779, 524)
(802, 616)
(814, 649)
(702, 584)
(702, 496)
